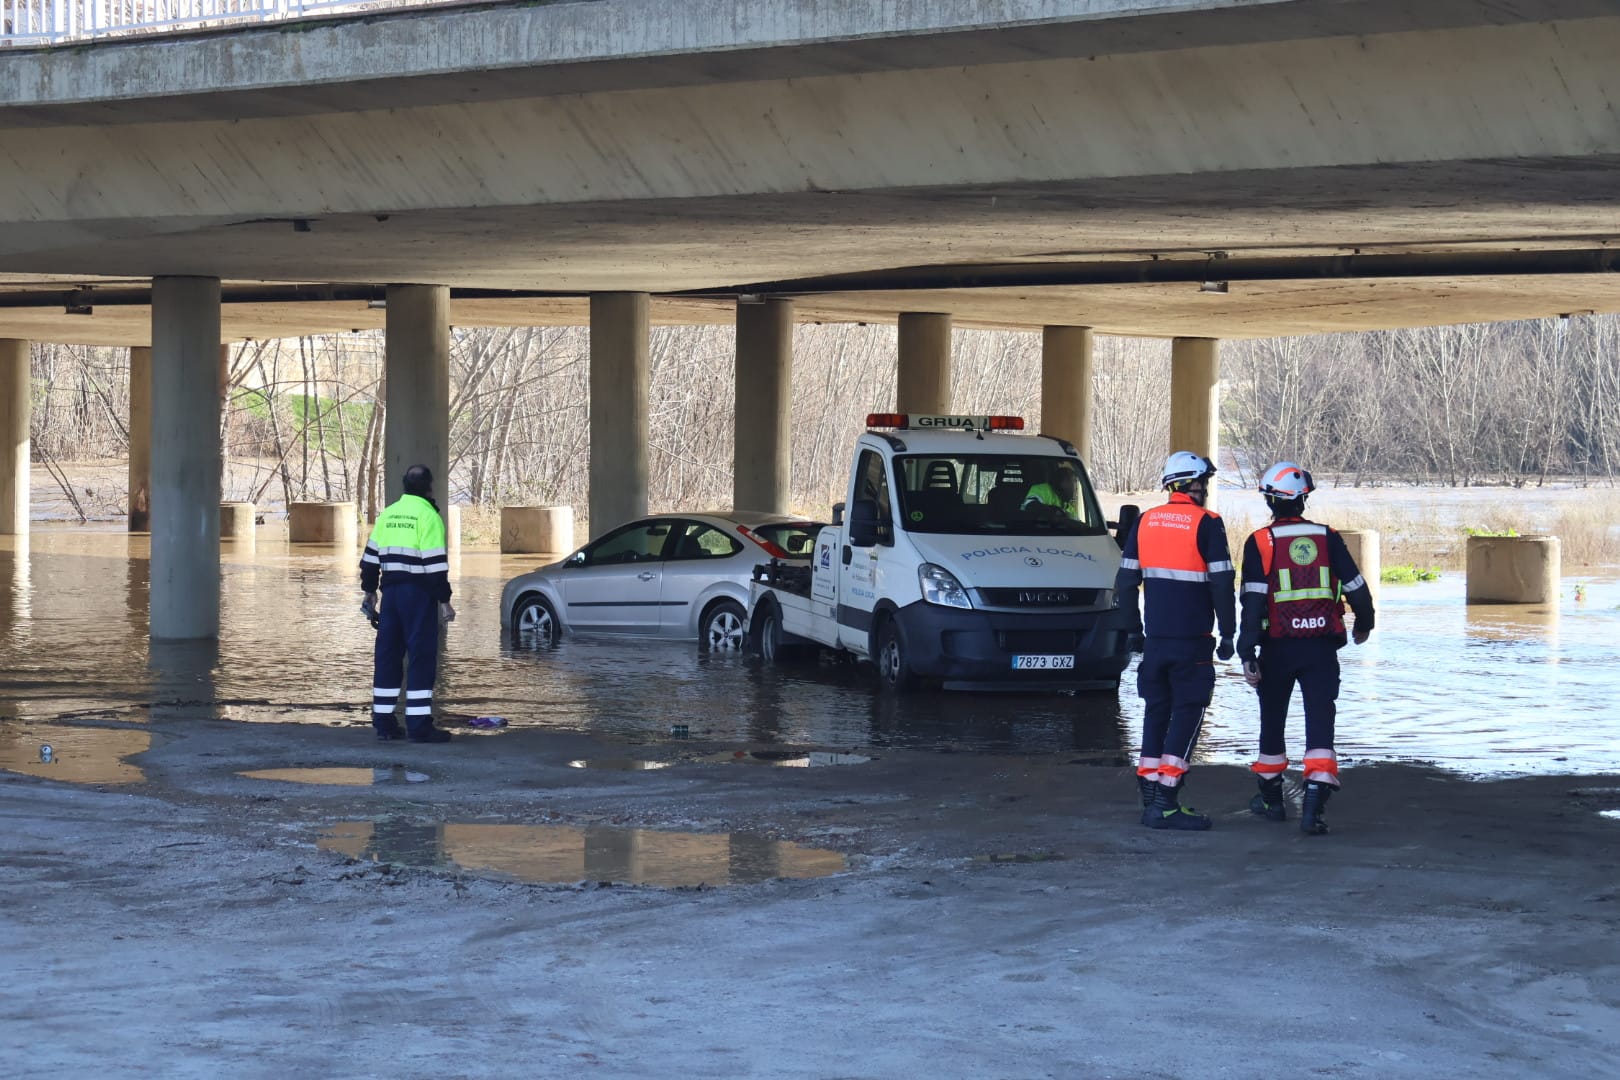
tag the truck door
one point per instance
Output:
(857, 591)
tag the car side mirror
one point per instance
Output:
(576, 559)
(1127, 521)
(863, 523)
(838, 513)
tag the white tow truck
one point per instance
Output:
(964, 559)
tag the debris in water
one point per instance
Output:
(563, 854)
(487, 722)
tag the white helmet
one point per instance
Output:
(1183, 466)
(1285, 480)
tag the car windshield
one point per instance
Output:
(794, 537)
(997, 494)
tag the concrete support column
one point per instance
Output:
(1066, 385)
(140, 440)
(924, 383)
(16, 407)
(1364, 549)
(416, 426)
(619, 406)
(763, 456)
(1195, 399)
(185, 458)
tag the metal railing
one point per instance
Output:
(52, 22)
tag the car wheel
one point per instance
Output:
(893, 661)
(722, 627)
(534, 623)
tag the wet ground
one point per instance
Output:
(219, 872)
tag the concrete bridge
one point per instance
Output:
(1195, 169)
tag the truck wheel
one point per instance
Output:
(768, 632)
(893, 661)
(534, 623)
(722, 627)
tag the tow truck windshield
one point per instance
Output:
(997, 494)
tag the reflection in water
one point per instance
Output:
(79, 755)
(559, 854)
(1477, 689)
(620, 764)
(339, 777)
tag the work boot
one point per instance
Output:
(1149, 788)
(389, 732)
(1269, 803)
(1311, 821)
(430, 735)
(1168, 813)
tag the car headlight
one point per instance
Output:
(939, 586)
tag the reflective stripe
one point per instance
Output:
(382, 710)
(418, 695)
(1222, 567)
(415, 568)
(419, 710)
(1357, 582)
(1148, 767)
(1287, 592)
(1303, 528)
(377, 691)
(1174, 575)
(1260, 587)
(368, 557)
(1269, 764)
(1129, 564)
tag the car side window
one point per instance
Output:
(874, 485)
(700, 541)
(641, 542)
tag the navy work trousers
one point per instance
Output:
(409, 626)
(1312, 663)
(1175, 679)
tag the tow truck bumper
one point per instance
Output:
(974, 650)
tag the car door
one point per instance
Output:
(612, 584)
(858, 583)
(699, 554)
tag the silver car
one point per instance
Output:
(668, 575)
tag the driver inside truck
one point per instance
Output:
(1059, 496)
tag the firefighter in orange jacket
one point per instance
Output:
(1178, 554)
(1297, 577)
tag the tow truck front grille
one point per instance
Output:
(1038, 598)
(1037, 641)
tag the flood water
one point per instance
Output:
(1479, 690)
(562, 854)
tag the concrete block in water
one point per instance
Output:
(1513, 569)
(529, 530)
(321, 523)
(236, 522)
(1363, 545)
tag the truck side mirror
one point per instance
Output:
(1127, 521)
(863, 523)
(838, 513)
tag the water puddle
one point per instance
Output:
(562, 854)
(620, 764)
(339, 777)
(75, 755)
(786, 759)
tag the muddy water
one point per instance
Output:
(556, 853)
(1478, 690)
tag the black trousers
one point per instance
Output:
(1175, 679)
(1313, 665)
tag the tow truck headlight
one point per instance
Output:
(939, 586)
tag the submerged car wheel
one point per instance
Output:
(534, 623)
(894, 666)
(770, 633)
(722, 627)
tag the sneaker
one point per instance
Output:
(430, 735)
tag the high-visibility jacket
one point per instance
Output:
(1297, 575)
(1177, 554)
(1046, 495)
(407, 546)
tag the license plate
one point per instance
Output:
(1042, 663)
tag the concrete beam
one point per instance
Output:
(185, 459)
(1066, 385)
(1195, 399)
(619, 408)
(416, 425)
(16, 406)
(923, 384)
(763, 455)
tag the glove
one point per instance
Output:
(368, 607)
(1224, 650)
(1251, 673)
(1360, 636)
